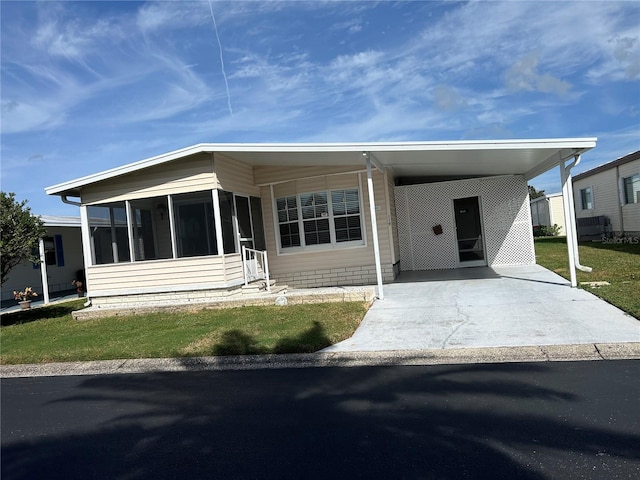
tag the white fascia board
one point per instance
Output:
(572, 144)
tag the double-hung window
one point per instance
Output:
(632, 189)
(327, 218)
(586, 196)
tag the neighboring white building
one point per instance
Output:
(611, 190)
(62, 248)
(548, 211)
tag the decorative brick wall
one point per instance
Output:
(334, 277)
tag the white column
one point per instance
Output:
(172, 228)
(43, 271)
(569, 222)
(374, 226)
(217, 220)
(130, 234)
(87, 244)
(114, 237)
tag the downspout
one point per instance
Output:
(570, 224)
(573, 217)
(69, 202)
(621, 199)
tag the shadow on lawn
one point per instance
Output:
(41, 313)
(236, 342)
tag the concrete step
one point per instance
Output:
(257, 287)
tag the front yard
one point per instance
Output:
(49, 334)
(616, 263)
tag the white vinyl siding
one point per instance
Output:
(164, 275)
(189, 174)
(324, 261)
(609, 196)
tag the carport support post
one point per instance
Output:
(374, 225)
(565, 178)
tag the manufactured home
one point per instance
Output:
(547, 211)
(607, 198)
(212, 217)
(61, 262)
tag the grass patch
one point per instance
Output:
(618, 264)
(49, 334)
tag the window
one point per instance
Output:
(586, 195)
(195, 226)
(109, 235)
(632, 189)
(49, 251)
(226, 217)
(324, 218)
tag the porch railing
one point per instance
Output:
(255, 266)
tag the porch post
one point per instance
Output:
(374, 225)
(88, 249)
(569, 223)
(43, 270)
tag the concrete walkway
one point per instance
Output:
(487, 307)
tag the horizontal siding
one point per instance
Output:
(158, 273)
(631, 211)
(606, 198)
(556, 209)
(320, 261)
(189, 174)
(265, 175)
(234, 176)
(233, 268)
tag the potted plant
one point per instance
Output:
(24, 297)
(79, 287)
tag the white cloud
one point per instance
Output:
(523, 75)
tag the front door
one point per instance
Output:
(245, 225)
(470, 244)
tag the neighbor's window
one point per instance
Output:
(194, 224)
(586, 194)
(109, 234)
(320, 218)
(632, 189)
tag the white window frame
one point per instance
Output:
(626, 194)
(582, 203)
(333, 245)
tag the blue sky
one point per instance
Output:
(88, 86)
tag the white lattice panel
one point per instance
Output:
(506, 220)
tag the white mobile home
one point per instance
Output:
(204, 218)
(61, 260)
(548, 211)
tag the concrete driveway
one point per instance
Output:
(487, 307)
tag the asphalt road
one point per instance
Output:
(560, 420)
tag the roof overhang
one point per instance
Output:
(455, 158)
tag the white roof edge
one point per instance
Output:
(553, 143)
(60, 221)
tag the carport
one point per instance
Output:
(487, 307)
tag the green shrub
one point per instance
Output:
(546, 230)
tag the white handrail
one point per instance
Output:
(250, 275)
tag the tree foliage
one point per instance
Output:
(19, 233)
(533, 193)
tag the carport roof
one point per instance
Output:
(451, 158)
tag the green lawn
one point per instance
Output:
(618, 264)
(49, 334)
